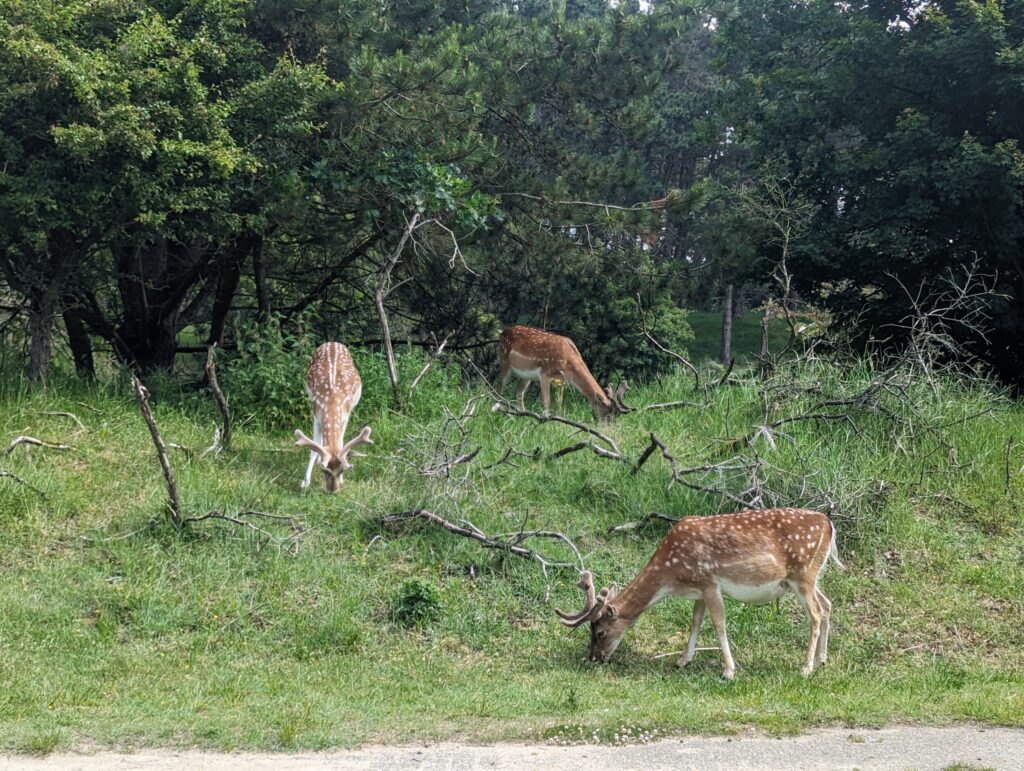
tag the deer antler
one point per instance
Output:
(593, 607)
(301, 440)
(615, 397)
(363, 437)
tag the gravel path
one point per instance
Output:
(901, 747)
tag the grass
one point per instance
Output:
(115, 631)
(746, 335)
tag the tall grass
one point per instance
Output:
(116, 630)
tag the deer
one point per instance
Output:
(334, 388)
(752, 556)
(532, 354)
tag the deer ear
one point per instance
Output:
(612, 612)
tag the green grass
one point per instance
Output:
(116, 631)
(746, 335)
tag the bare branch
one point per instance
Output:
(19, 480)
(218, 395)
(641, 522)
(69, 415)
(32, 441)
(174, 503)
(506, 409)
(430, 360)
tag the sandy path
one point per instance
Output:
(902, 747)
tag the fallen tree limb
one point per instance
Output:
(19, 480)
(32, 441)
(69, 415)
(600, 451)
(504, 408)
(654, 515)
(511, 546)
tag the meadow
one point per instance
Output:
(115, 630)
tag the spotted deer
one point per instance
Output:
(535, 355)
(334, 387)
(751, 556)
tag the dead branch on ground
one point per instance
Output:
(11, 475)
(654, 515)
(33, 442)
(506, 409)
(69, 416)
(511, 545)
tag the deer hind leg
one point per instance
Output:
(506, 372)
(521, 387)
(545, 394)
(826, 624)
(698, 616)
(713, 598)
(808, 598)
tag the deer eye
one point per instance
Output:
(601, 633)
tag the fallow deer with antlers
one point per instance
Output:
(334, 387)
(752, 556)
(535, 355)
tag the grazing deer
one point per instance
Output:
(334, 387)
(752, 556)
(533, 354)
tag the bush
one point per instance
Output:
(417, 602)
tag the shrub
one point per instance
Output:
(417, 602)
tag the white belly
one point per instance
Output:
(755, 594)
(527, 374)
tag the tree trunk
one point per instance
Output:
(727, 326)
(78, 339)
(259, 275)
(40, 333)
(227, 283)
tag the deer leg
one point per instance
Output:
(317, 437)
(521, 387)
(713, 599)
(545, 394)
(826, 624)
(810, 603)
(698, 616)
(506, 371)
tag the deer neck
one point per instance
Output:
(581, 379)
(643, 592)
(334, 421)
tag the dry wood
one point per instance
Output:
(430, 360)
(512, 545)
(654, 515)
(32, 441)
(69, 415)
(505, 408)
(218, 395)
(19, 480)
(174, 503)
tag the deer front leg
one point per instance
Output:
(713, 598)
(317, 437)
(698, 616)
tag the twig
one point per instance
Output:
(492, 543)
(599, 451)
(142, 397)
(70, 415)
(218, 395)
(19, 480)
(673, 405)
(371, 543)
(641, 522)
(430, 360)
(31, 440)
(264, 536)
(499, 407)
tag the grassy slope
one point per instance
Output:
(158, 639)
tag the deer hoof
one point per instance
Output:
(683, 662)
(729, 674)
(808, 670)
